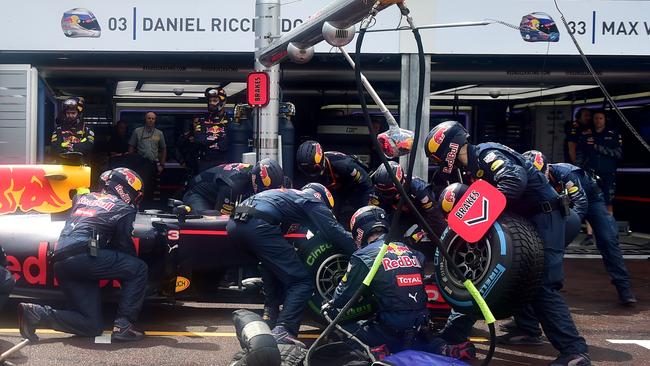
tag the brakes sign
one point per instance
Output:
(476, 211)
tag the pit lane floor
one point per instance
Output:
(202, 334)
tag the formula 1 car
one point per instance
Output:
(188, 255)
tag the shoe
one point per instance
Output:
(508, 326)
(578, 359)
(282, 336)
(125, 331)
(29, 316)
(587, 241)
(252, 282)
(628, 300)
(270, 315)
(520, 338)
(462, 351)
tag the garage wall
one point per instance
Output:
(18, 107)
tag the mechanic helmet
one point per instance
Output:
(450, 195)
(538, 160)
(70, 105)
(80, 22)
(126, 184)
(310, 158)
(365, 221)
(103, 178)
(217, 93)
(383, 181)
(320, 192)
(444, 142)
(267, 174)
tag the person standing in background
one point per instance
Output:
(149, 142)
(600, 148)
(581, 123)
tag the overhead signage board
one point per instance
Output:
(603, 27)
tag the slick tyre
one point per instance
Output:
(506, 266)
(328, 266)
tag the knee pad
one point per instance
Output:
(256, 340)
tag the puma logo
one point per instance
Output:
(414, 297)
(172, 248)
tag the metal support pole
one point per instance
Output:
(408, 90)
(267, 29)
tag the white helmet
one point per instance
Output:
(80, 22)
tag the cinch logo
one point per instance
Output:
(401, 262)
(316, 253)
(409, 280)
(467, 204)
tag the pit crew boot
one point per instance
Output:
(29, 317)
(626, 297)
(462, 351)
(125, 331)
(520, 338)
(508, 326)
(579, 359)
(282, 336)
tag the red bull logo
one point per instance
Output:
(448, 201)
(397, 249)
(318, 155)
(264, 174)
(131, 178)
(539, 161)
(436, 140)
(26, 188)
(402, 261)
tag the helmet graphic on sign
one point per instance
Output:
(80, 22)
(538, 27)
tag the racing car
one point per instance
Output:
(187, 254)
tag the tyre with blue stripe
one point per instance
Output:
(506, 266)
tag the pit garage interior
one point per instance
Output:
(521, 101)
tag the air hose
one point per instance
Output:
(404, 191)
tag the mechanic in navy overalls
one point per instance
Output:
(529, 194)
(7, 280)
(259, 223)
(398, 287)
(387, 196)
(599, 150)
(210, 131)
(72, 135)
(340, 173)
(96, 244)
(588, 202)
(221, 187)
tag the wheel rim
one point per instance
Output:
(329, 275)
(472, 259)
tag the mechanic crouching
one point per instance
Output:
(529, 194)
(95, 244)
(387, 197)
(342, 174)
(221, 187)
(259, 222)
(402, 319)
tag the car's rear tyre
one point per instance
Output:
(506, 266)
